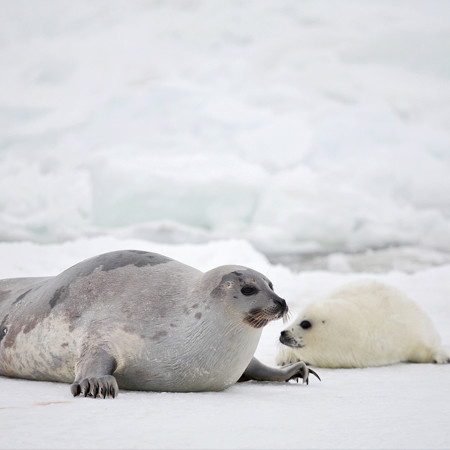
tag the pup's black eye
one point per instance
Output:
(271, 285)
(305, 324)
(249, 290)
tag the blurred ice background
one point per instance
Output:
(318, 131)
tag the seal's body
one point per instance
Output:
(362, 324)
(153, 322)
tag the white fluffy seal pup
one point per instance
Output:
(364, 323)
(141, 321)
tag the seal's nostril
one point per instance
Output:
(283, 333)
(280, 302)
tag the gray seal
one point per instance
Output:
(141, 321)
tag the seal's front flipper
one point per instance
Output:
(102, 387)
(94, 375)
(258, 371)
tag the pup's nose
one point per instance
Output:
(283, 333)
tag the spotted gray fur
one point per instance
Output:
(138, 320)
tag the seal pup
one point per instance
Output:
(141, 321)
(363, 323)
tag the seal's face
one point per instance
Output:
(293, 336)
(250, 294)
(322, 326)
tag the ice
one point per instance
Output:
(295, 126)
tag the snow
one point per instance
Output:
(399, 406)
(299, 126)
(303, 139)
(393, 407)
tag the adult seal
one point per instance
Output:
(141, 321)
(361, 324)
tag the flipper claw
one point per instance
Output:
(96, 387)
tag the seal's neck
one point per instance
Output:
(227, 342)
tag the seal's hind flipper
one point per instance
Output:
(441, 355)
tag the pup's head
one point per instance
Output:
(324, 334)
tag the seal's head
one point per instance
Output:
(247, 293)
(328, 330)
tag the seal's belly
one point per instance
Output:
(47, 352)
(195, 368)
(194, 379)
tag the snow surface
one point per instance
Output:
(399, 406)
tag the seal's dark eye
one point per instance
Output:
(305, 324)
(249, 290)
(271, 285)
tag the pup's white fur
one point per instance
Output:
(363, 323)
